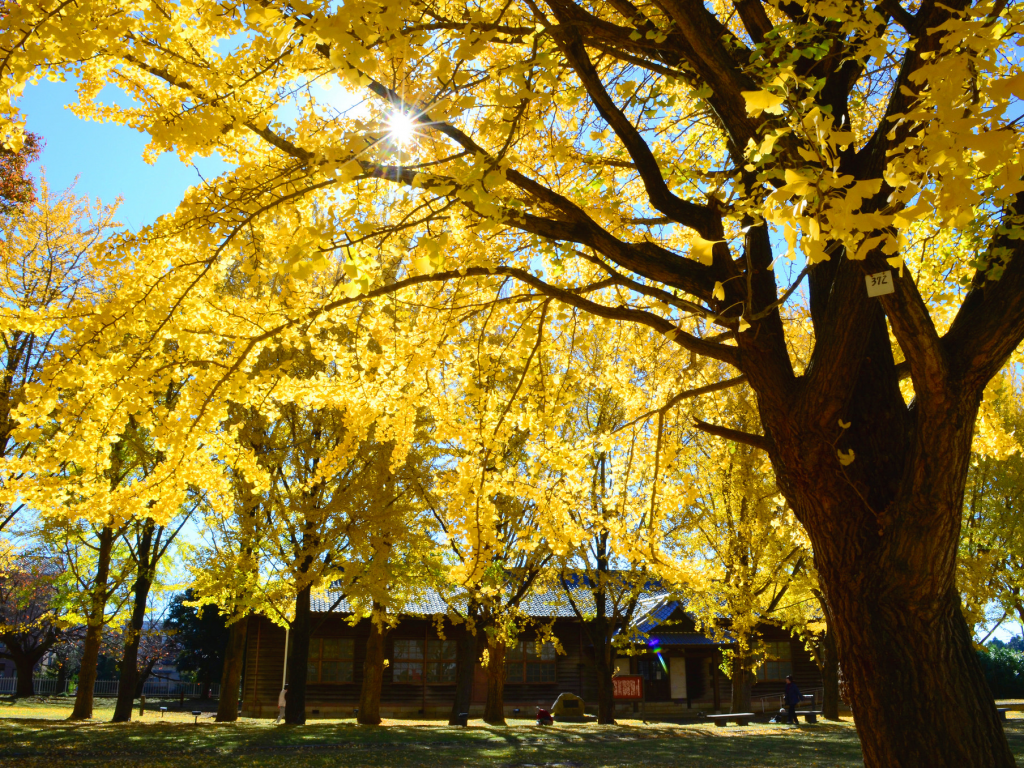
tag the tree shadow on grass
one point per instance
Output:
(49, 744)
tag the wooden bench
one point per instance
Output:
(741, 718)
(811, 716)
(1001, 713)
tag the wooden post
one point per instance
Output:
(423, 671)
(257, 711)
(714, 674)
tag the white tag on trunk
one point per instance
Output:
(880, 283)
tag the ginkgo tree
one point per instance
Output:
(644, 162)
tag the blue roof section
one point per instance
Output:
(680, 638)
(655, 614)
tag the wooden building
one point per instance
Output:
(680, 666)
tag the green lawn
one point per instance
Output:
(35, 735)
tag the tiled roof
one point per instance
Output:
(546, 605)
(652, 610)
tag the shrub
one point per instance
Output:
(1004, 671)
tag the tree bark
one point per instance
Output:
(62, 676)
(465, 666)
(231, 676)
(494, 709)
(604, 667)
(143, 675)
(373, 675)
(742, 683)
(26, 666)
(830, 676)
(885, 530)
(298, 658)
(94, 629)
(130, 654)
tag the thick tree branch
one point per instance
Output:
(698, 217)
(755, 19)
(990, 322)
(755, 441)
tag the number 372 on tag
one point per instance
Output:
(879, 283)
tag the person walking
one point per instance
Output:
(793, 697)
(281, 703)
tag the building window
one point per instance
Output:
(779, 661)
(530, 661)
(411, 665)
(441, 655)
(652, 668)
(331, 660)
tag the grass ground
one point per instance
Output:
(35, 734)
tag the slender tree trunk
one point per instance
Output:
(494, 709)
(601, 636)
(373, 674)
(25, 664)
(605, 668)
(62, 676)
(130, 654)
(143, 676)
(298, 658)
(830, 676)
(231, 676)
(742, 683)
(465, 666)
(828, 664)
(94, 629)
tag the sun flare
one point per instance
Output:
(401, 128)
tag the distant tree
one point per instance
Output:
(1014, 644)
(16, 186)
(32, 611)
(202, 634)
(1004, 671)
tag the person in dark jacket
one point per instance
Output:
(793, 697)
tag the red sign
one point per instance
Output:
(628, 687)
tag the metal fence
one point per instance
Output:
(47, 686)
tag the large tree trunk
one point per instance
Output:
(885, 530)
(465, 666)
(93, 629)
(130, 655)
(494, 709)
(231, 676)
(605, 668)
(373, 674)
(298, 658)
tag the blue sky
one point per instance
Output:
(106, 158)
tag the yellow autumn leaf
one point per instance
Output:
(702, 249)
(763, 101)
